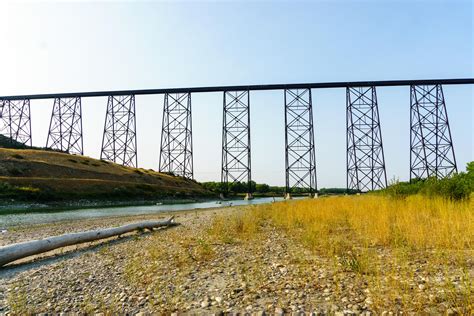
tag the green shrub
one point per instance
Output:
(455, 187)
(15, 172)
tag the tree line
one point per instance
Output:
(263, 188)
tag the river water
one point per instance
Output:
(82, 213)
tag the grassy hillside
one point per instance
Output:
(46, 175)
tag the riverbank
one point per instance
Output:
(15, 207)
(362, 258)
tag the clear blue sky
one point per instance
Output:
(65, 47)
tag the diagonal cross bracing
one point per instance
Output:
(15, 120)
(431, 146)
(236, 163)
(176, 155)
(300, 162)
(119, 143)
(65, 127)
(365, 156)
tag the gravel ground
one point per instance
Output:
(180, 270)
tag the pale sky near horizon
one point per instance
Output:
(50, 47)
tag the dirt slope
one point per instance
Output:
(37, 174)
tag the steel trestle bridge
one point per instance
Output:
(431, 145)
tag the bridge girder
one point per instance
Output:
(65, 127)
(176, 154)
(236, 155)
(15, 120)
(365, 155)
(431, 145)
(300, 156)
(119, 142)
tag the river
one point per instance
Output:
(82, 213)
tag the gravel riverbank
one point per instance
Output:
(184, 270)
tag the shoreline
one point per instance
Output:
(58, 206)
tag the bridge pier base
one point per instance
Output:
(431, 146)
(248, 196)
(119, 143)
(65, 127)
(288, 196)
(365, 156)
(15, 120)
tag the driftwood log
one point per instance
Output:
(21, 250)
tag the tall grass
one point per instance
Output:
(417, 222)
(388, 242)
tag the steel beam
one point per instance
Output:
(236, 163)
(119, 143)
(176, 154)
(15, 120)
(65, 127)
(300, 158)
(431, 146)
(315, 85)
(365, 156)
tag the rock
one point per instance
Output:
(205, 304)
(279, 311)
(218, 299)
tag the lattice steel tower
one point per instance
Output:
(176, 155)
(300, 157)
(431, 146)
(236, 164)
(365, 157)
(119, 143)
(15, 120)
(65, 127)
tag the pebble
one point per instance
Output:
(235, 281)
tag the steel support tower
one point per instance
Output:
(65, 127)
(300, 157)
(176, 155)
(236, 164)
(365, 156)
(119, 143)
(15, 120)
(431, 146)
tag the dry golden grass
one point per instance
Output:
(413, 252)
(366, 221)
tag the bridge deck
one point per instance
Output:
(320, 85)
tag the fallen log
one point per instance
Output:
(21, 250)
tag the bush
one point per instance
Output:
(455, 187)
(15, 172)
(16, 156)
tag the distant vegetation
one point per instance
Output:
(264, 189)
(456, 187)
